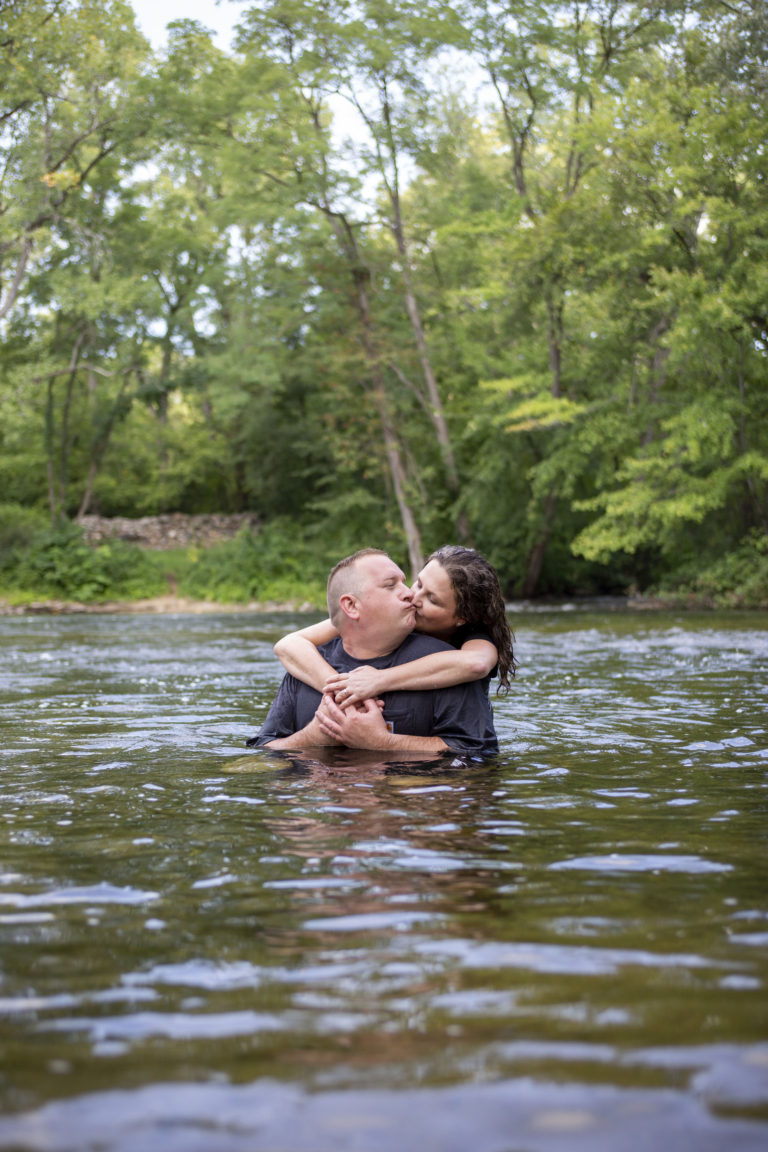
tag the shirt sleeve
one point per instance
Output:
(463, 719)
(281, 718)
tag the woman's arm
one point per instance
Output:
(298, 654)
(475, 659)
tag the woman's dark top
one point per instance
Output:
(473, 632)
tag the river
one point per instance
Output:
(206, 948)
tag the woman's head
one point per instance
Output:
(459, 586)
(435, 601)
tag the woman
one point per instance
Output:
(458, 598)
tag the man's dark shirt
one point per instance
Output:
(460, 715)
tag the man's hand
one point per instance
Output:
(348, 688)
(360, 727)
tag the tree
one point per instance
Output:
(305, 42)
(71, 123)
(552, 68)
(65, 72)
(699, 457)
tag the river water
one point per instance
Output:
(205, 948)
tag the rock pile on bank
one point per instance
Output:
(168, 530)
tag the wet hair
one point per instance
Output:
(480, 602)
(344, 580)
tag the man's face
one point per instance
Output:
(385, 598)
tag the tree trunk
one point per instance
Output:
(378, 394)
(50, 469)
(435, 405)
(13, 291)
(555, 340)
(392, 448)
(100, 441)
(376, 388)
(535, 558)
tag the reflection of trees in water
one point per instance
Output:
(377, 836)
(378, 865)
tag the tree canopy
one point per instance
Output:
(397, 273)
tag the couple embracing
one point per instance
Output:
(403, 670)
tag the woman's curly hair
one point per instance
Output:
(480, 601)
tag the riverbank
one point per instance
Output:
(161, 605)
(159, 564)
(179, 563)
(157, 605)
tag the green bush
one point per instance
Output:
(738, 579)
(283, 562)
(274, 564)
(57, 563)
(18, 528)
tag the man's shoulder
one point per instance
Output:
(331, 647)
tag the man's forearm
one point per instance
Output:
(399, 742)
(312, 736)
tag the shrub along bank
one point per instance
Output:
(279, 562)
(40, 563)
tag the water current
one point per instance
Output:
(206, 949)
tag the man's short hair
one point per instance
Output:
(344, 580)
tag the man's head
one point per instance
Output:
(369, 602)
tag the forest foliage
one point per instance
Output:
(395, 273)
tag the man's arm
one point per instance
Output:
(279, 728)
(312, 736)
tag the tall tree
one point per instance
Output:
(307, 42)
(389, 46)
(691, 174)
(71, 127)
(551, 67)
(62, 115)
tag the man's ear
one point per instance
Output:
(349, 606)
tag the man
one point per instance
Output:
(369, 602)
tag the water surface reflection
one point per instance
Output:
(564, 947)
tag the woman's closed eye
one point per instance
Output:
(428, 595)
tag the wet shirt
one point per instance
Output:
(468, 632)
(460, 715)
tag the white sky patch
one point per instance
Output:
(153, 16)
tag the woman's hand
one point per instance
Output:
(348, 688)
